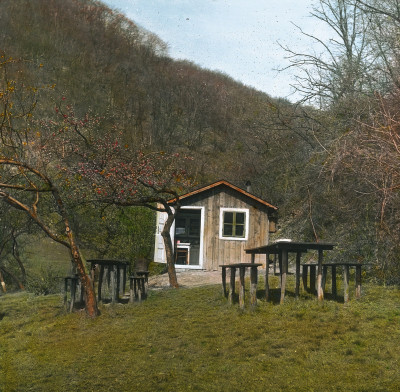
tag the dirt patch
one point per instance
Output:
(186, 279)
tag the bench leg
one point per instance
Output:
(358, 281)
(232, 285)
(253, 286)
(225, 294)
(241, 287)
(346, 283)
(266, 279)
(334, 285)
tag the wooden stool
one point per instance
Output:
(137, 286)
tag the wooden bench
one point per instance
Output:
(138, 286)
(346, 273)
(242, 270)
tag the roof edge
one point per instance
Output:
(228, 184)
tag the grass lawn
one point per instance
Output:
(192, 340)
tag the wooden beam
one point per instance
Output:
(266, 278)
(298, 260)
(320, 291)
(253, 286)
(284, 253)
(241, 287)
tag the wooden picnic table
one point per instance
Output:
(282, 249)
(115, 271)
(242, 271)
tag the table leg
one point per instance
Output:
(312, 278)
(253, 286)
(266, 279)
(320, 291)
(298, 259)
(334, 286)
(99, 286)
(112, 281)
(65, 291)
(118, 288)
(241, 287)
(232, 285)
(324, 274)
(131, 290)
(123, 279)
(346, 282)
(284, 264)
(224, 281)
(305, 276)
(73, 293)
(358, 281)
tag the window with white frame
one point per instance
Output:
(234, 223)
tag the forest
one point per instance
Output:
(82, 83)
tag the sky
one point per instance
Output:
(236, 37)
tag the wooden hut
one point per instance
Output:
(215, 225)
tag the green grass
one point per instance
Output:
(191, 339)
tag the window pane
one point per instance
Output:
(240, 218)
(239, 231)
(228, 217)
(228, 230)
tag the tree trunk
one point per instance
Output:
(90, 297)
(3, 284)
(169, 250)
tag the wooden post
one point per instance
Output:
(92, 273)
(334, 286)
(124, 278)
(73, 292)
(224, 281)
(275, 257)
(99, 286)
(280, 268)
(298, 259)
(242, 271)
(358, 281)
(320, 291)
(324, 274)
(65, 290)
(284, 264)
(112, 281)
(143, 282)
(232, 285)
(131, 289)
(312, 278)
(346, 282)
(118, 288)
(266, 279)
(305, 276)
(139, 289)
(253, 286)
(253, 258)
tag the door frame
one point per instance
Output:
(201, 253)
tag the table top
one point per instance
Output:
(238, 265)
(108, 262)
(290, 246)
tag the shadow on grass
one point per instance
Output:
(275, 296)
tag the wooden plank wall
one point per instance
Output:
(218, 251)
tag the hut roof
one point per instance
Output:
(229, 185)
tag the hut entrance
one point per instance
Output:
(188, 236)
